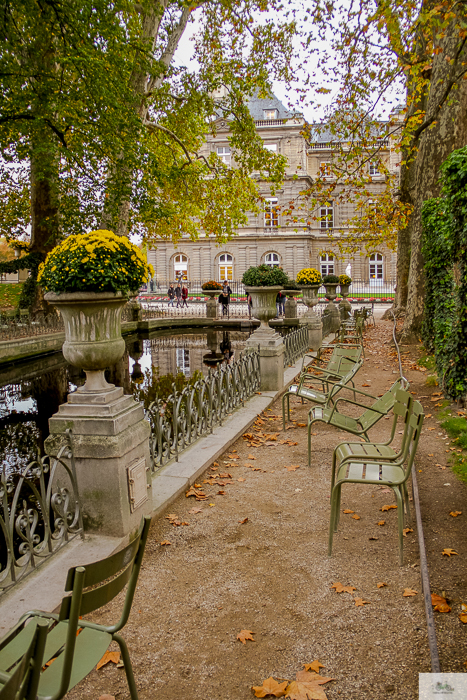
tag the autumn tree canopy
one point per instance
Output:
(99, 128)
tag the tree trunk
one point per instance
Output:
(446, 130)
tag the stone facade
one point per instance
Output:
(269, 235)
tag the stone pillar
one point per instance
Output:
(111, 450)
(290, 304)
(211, 308)
(331, 308)
(315, 330)
(271, 357)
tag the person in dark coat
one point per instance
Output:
(171, 295)
(178, 295)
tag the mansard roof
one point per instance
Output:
(257, 106)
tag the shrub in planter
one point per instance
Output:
(291, 285)
(211, 285)
(309, 275)
(345, 279)
(331, 279)
(264, 276)
(99, 261)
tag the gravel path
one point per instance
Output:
(253, 556)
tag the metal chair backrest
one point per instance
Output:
(24, 680)
(384, 404)
(121, 568)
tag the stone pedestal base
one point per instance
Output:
(333, 311)
(315, 330)
(271, 357)
(111, 449)
(345, 309)
(211, 308)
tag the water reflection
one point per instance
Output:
(31, 392)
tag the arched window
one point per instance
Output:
(271, 259)
(327, 264)
(376, 267)
(181, 267)
(225, 267)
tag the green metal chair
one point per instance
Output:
(307, 388)
(342, 358)
(357, 426)
(75, 655)
(392, 472)
(21, 663)
(348, 451)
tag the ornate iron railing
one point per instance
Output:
(296, 345)
(188, 415)
(24, 327)
(39, 513)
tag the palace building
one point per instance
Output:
(269, 236)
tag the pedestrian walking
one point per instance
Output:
(178, 295)
(224, 300)
(280, 304)
(171, 295)
(184, 296)
(250, 304)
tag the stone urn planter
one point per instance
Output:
(211, 304)
(345, 308)
(310, 318)
(331, 309)
(93, 338)
(263, 303)
(310, 298)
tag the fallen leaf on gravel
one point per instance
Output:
(432, 455)
(428, 415)
(463, 617)
(407, 530)
(212, 505)
(366, 384)
(109, 656)
(165, 542)
(242, 522)
(455, 513)
(221, 493)
(243, 635)
(356, 517)
(191, 492)
(251, 457)
(343, 589)
(293, 467)
(439, 603)
(447, 552)
(301, 425)
(248, 466)
(233, 456)
(270, 687)
(106, 697)
(381, 522)
(387, 508)
(359, 602)
(197, 486)
(373, 538)
(241, 479)
(195, 510)
(381, 584)
(409, 592)
(307, 687)
(314, 666)
(214, 469)
(348, 511)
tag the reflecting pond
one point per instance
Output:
(31, 392)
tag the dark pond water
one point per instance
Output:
(31, 392)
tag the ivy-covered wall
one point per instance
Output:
(445, 252)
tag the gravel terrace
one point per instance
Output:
(253, 556)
